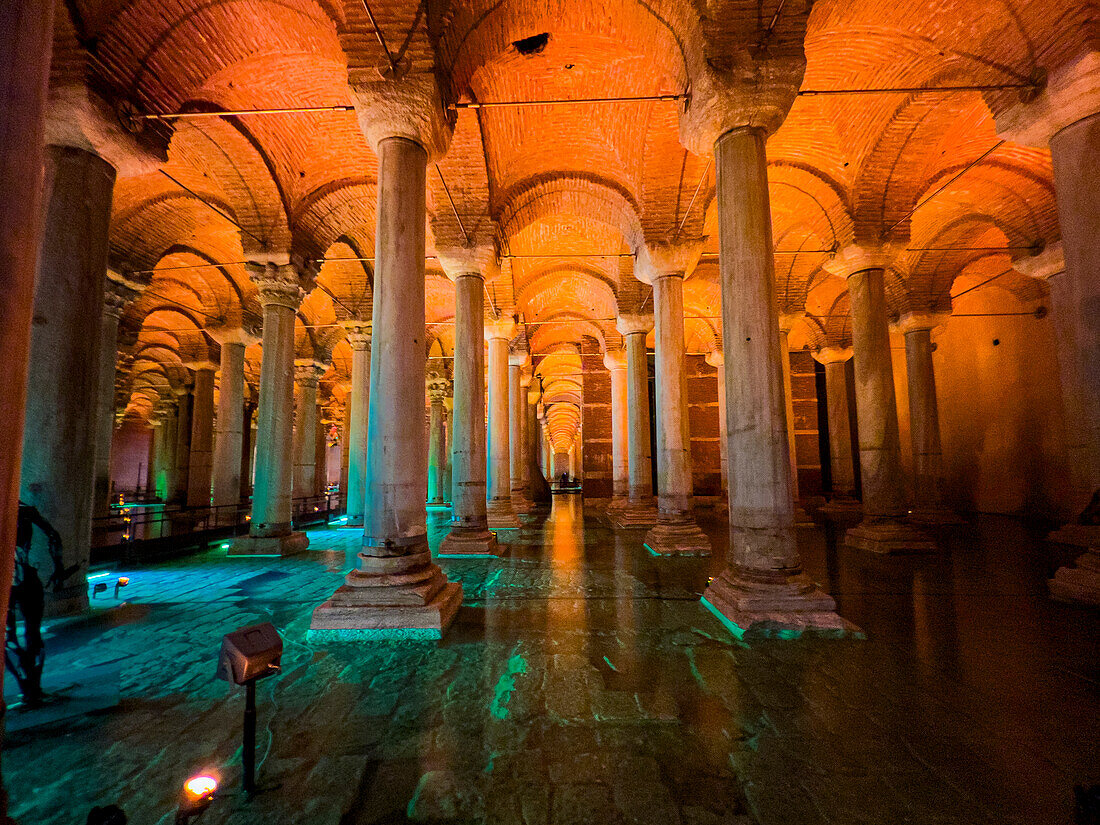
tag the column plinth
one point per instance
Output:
(270, 531)
(763, 588)
(395, 590)
(639, 510)
(884, 528)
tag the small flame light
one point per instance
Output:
(121, 583)
(198, 793)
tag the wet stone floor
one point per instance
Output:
(583, 682)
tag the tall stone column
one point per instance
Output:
(248, 437)
(883, 529)
(1066, 118)
(841, 462)
(320, 442)
(615, 361)
(59, 435)
(396, 591)
(307, 375)
(167, 414)
(120, 290)
(184, 402)
(763, 587)
(437, 436)
(355, 442)
(639, 511)
(536, 477)
(517, 410)
(470, 535)
(229, 434)
(200, 465)
(498, 506)
(787, 320)
(715, 359)
(271, 532)
(924, 421)
(448, 446)
(676, 533)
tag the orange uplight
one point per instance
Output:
(124, 580)
(200, 787)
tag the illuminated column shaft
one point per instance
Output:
(715, 359)
(355, 443)
(634, 330)
(616, 363)
(499, 503)
(436, 437)
(200, 466)
(229, 436)
(307, 375)
(841, 463)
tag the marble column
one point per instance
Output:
(200, 465)
(120, 290)
(676, 533)
(320, 442)
(615, 361)
(184, 401)
(307, 375)
(437, 437)
(271, 531)
(470, 535)
(763, 587)
(842, 499)
(883, 529)
(396, 591)
(639, 510)
(355, 441)
(517, 413)
(59, 435)
(165, 429)
(448, 447)
(248, 435)
(787, 320)
(714, 358)
(229, 433)
(498, 505)
(924, 421)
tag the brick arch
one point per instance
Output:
(586, 196)
(548, 336)
(352, 282)
(584, 290)
(330, 213)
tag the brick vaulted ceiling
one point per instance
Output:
(549, 183)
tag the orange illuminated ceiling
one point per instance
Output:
(565, 189)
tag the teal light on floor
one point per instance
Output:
(738, 632)
(373, 634)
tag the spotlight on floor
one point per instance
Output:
(121, 583)
(198, 793)
(248, 655)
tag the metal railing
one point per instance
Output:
(139, 531)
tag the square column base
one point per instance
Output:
(840, 509)
(288, 545)
(633, 516)
(1080, 583)
(935, 517)
(889, 537)
(500, 515)
(464, 543)
(781, 611)
(802, 518)
(1077, 535)
(681, 537)
(355, 613)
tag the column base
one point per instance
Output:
(802, 518)
(783, 610)
(437, 502)
(288, 545)
(889, 536)
(521, 503)
(841, 508)
(1077, 535)
(389, 597)
(500, 515)
(469, 543)
(618, 503)
(1080, 583)
(677, 536)
(71, 600)
(935, 517)
(633, 516)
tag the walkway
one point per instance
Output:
(584, 683)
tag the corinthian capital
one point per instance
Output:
(279, 284)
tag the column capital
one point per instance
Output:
(234, 335)
(855, 258)
(917, 321)
(715, 358)
(79, 118)
(754, 96)
(120, 290)
(479, 260)
(631, 323)
(1045, 265)
(200, 365)
(279, 284)
(615, 359)
(439, 387)
(410, 107)
(1072, 94)
(667, 259)
(308, 371)
(358, 333)
(519, 358)
(787, 320)
(832, 355)
(505, 329)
